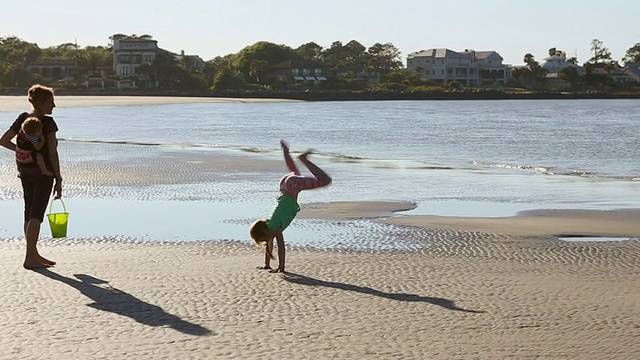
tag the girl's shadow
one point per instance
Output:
(445, 303)
(108, 298)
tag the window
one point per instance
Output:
(295, 72)
(306, 72)
(427, 72)
(318, 71)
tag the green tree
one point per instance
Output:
(632, 55)
(17, 51)
(227, 80)
(261, 51)
(600, 53)
(570, 74)
(93, 57)
(536, 74)
(310, 50)
(385, 57)
(573, 60)
(257, 68)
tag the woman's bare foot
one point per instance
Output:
(32, 265)
(46, 261)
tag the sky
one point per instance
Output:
(211, 28)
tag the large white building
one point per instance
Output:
(131, 52)
(555, 63)
(470, 68)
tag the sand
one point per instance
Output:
(19, 103)
(485, 289)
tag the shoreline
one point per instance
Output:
(129, 97)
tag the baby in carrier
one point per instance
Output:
(29, 143)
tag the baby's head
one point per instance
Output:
(259, 231)
(32, 126)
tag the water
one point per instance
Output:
(582, 137)
(453, 158)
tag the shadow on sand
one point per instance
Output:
(445, 303)
(108, 298)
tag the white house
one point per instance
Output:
(470, 68)
(131, 52)
(555, 63)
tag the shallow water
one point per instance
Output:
(206, 171)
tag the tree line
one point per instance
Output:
(344, 65)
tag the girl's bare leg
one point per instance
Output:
(287, 158)
(322, 178)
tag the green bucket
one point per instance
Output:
(58, 221)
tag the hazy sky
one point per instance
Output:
(211, 28)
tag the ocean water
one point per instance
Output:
(453, 158)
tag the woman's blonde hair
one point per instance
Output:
(258, 232)
(39, 93)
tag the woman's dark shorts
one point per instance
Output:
(37, 191)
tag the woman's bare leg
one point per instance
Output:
(32, 259)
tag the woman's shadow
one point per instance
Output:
(108, 298)
(445, 303)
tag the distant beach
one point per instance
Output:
(549, 283)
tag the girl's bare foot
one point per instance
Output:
(304, 155)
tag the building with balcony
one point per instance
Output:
(470, 68)
(131, 52)
(56, 69)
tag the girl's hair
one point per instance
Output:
(258, 232)
(32, 125)
(39, 93)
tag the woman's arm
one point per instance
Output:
(52, 144)
(5, 140)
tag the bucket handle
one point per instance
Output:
(54, 200)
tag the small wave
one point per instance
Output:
(116, 142)
(537, 168)
(544, 170)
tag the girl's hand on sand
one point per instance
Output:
(265, 267)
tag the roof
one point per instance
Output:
(438, 53)
(487, 54)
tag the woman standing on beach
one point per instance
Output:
(37, 187)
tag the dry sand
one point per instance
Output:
(19, 103)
